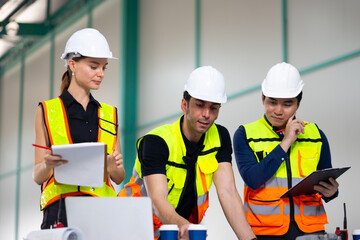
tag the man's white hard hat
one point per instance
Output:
(87, 42)
(207, 84)
(282, 81)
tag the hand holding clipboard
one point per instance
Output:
(306, 185)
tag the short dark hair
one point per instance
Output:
(186, 96)
(299, 97)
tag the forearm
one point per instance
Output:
(116, 174)
(41, 173)
(260, 172)
(156, 187)
(166, 212)
(234, 212)
(255, 173)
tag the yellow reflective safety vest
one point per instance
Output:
(58, 131)
(266, 212)
(176, 170)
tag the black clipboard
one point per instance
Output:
(306, 185)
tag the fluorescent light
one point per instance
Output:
(8, 8)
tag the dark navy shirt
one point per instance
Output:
(256, 173)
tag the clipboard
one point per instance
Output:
(305, 186)
(86, 164)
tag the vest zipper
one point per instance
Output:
(196, 217)
(289, 179)
(186, 180)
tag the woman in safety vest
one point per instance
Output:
(76, 117)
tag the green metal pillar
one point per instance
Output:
(128, 84)
(284, 30)
(197, 32)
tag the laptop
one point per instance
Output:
(111, 218)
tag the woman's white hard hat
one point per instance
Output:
(87, 42)
(207, 84)
(282, 81)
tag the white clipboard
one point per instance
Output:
(86, 164)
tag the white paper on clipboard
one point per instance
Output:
(306, 185)
(86, 164)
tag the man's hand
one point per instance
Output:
(183, 232)
(293, 128)
(327, 189)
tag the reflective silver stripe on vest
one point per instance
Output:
(246, 206)
(274, 182)
(275, 210)
(278, 182)
(268, 210)
(139, 181)
(157, 232)
(202, 199)
(265, 210)
(314, 210)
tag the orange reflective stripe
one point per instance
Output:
(64, 196)
(47, 123)
(299, 165)
(203, 180)
(131, 189)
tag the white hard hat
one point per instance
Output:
(87, 42)
(282, 81)
(206, 83)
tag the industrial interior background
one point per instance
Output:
(159, 42)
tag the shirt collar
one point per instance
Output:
(68, 99)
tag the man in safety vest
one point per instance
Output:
(278, 151)
(177, 163)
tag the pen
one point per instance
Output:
(35, 145)
(281, 130)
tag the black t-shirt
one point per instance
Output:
(153, 154)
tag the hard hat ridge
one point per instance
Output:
(206, 83)
(282, 81)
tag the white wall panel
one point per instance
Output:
(167, 56)
(322, 30)
(30, 216)
(9, 120)
(36, 89)
(7, 207)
